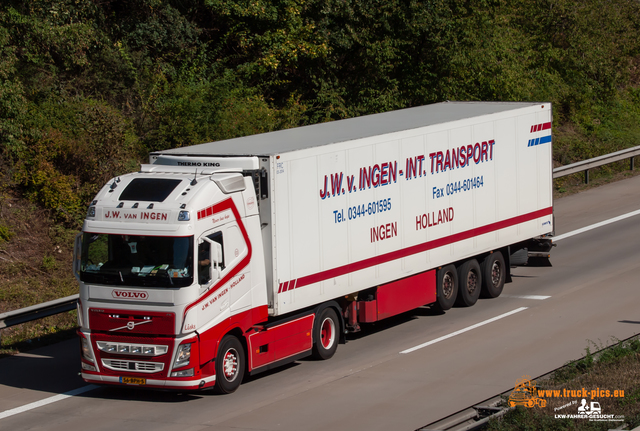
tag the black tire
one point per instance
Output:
(326, 333)
(446, 287)
(230, 364)
(469, 283)
(493, 275)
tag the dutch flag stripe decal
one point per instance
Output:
(542, 139)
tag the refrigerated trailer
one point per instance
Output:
(237, 256)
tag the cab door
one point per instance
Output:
(229, 267)
(236, 251)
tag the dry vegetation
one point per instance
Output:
(35, 256)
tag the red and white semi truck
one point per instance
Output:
(237, 256)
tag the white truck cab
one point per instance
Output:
(157, 247)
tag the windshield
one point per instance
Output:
(135, 260)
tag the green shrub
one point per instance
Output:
(5, 233)
(49, 263)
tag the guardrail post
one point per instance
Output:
(586, 176)
(632, 163)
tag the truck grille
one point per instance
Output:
(135, 366)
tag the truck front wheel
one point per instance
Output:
(325, 334)
(446, 287)
(493, 275)
(470, 280)
(229, 365)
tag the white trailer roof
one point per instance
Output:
(299, 138)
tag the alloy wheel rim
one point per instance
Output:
(230, 365)
(495, 273)
(327, 333)
(447, 285)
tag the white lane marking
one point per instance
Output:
(537, 297)
(594, 226)
(53, 399)
(468, 328)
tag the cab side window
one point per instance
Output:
(204, 257)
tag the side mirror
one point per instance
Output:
(216, 253)
(215, 256)
(216, 260)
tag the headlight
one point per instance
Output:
(183, 356)
(86, 350)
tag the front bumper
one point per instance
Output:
(192, 384)
(114, 367)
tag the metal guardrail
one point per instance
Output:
(38, 311)
(474, 418)
(585, 165)
(61, 305)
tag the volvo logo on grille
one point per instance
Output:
(130, 294)
(130, 325)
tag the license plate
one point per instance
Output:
(133, 380)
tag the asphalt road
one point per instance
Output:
(545, 318)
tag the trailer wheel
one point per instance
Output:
(446, 287)
(325, 334)
(493, 275)
(470, 279)
(229, 365)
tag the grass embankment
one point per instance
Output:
(616, 368)
(35, 267)
(594, 132)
